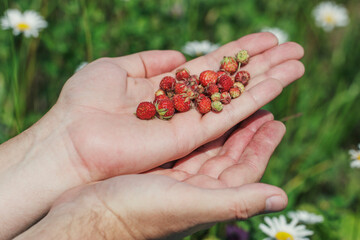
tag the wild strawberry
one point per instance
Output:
(220, 73)
(216, 106)
(192, 94)
(160, 92)
(165, 108)
(243, 77)
(225, 83)
(242, 57)
(225, 98)
(145, 110)
(207, 77)
(170, 94)
(180, 88)
(229, 64)
(182, 102)
(216, 97)
(167, 83)
(160, 97)
(203, 104)
(211, 89)
(234, 92)
(182, 74)
(200, 89)
(240, 86)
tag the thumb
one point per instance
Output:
(215, 205)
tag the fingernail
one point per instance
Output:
(274, 203)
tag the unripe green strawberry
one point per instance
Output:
(234, 92)
(216, 106)
(242, 57)
(240, 86)
(216, 97)
(229, 65)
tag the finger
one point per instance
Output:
(192, 162)
(272, 57)
(254, 43)
(253, 161)
(150, 63)
(236, 144)
(215, 205)
(281, 72)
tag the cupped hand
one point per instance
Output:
(97, 105)
(217, 182)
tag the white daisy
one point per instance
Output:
(196, 48)
(81, 66)
(306, 217)
(281, 35)
(329, 15)
(29, 22)
(355, 156)
(279, 229)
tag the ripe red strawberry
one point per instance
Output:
(180, 88)
(211, 89)
(160, 97)
(182, 102)
(207, 77)
(192, 82)
(225, 98)
(167, 83)
(165, 108)
(234, 92)
(145, 110)
(182, 74)
(229, 64)
(242, 57)
(225, 83)
(203, 104)
(220, 73)
(243, 77)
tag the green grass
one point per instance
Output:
(321, 110)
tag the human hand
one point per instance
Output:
(215, 183)
(99, 102)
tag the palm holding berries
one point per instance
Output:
(97, 105)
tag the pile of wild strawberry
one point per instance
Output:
(208, 92)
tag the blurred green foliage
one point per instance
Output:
(321, 111)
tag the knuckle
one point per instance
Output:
(240, 210)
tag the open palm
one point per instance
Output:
(99, 102)
(217, 182)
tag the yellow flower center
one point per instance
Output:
(23, 26)
(358, 157)
(329, 19)
(283, 236)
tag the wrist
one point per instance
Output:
(36, 167)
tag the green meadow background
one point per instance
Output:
(321, 111)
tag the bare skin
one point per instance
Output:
(172, 203)
(91, 133)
